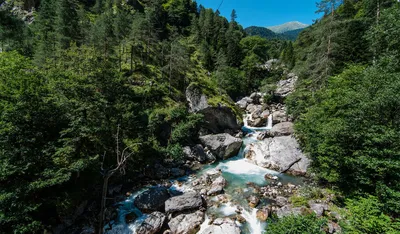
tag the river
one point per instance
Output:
(238, 172)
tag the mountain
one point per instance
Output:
(290, 26)
(268, 34)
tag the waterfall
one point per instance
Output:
(255, 225)
(269, 123)
(248, 129)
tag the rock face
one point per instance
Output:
(195, 153)
(219, 119)
(222, 226)
(278, 153)
(217, 186)
(216, 119)
(187, 201)
(196, 99)
(186, 223)
(152, 224)
(152, 200)
(286, 87)
(282, 129)
(223, 145)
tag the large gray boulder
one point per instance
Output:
(282, 129)
(222, 145)
(186, 223)
(152, 224)
(222, 226)
(279, 153)
(195, 153)
(217, 119)
(152, 199)
(188, 201)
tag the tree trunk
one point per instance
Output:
(131, 58)
(103, 203)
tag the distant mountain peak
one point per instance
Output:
(289, 26)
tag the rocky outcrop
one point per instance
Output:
(186, 223)
(152, 199)
(278, 153)
(222, 226)
(196, 99)
(195, 153)
(286, 87)
(152, 224)
(188, 201)
(223, 145)
(216, 119)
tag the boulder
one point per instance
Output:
(253, 201)
(281, 201)
(219, 119)
(217, 186)
(222, 226)
(152, 224)
(264, 213)
(195, 153)
(216, 119)
(186, 223)
(318, 208)
(152, 199)
(279, 154)
(282, 129)
(289, 210)
(279, 117)
(222, 145)
(188, 201)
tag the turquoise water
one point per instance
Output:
(238, 172)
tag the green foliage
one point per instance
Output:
(298, 201)
(364, 215)
(297, 224)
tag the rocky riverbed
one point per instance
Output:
(232, 182)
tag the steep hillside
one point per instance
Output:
(262, 32)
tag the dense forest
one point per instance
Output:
(81, 82)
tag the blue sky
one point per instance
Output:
(265, 12)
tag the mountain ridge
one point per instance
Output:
(289, 26)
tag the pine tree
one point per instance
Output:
(67, 23)
(45, 40)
